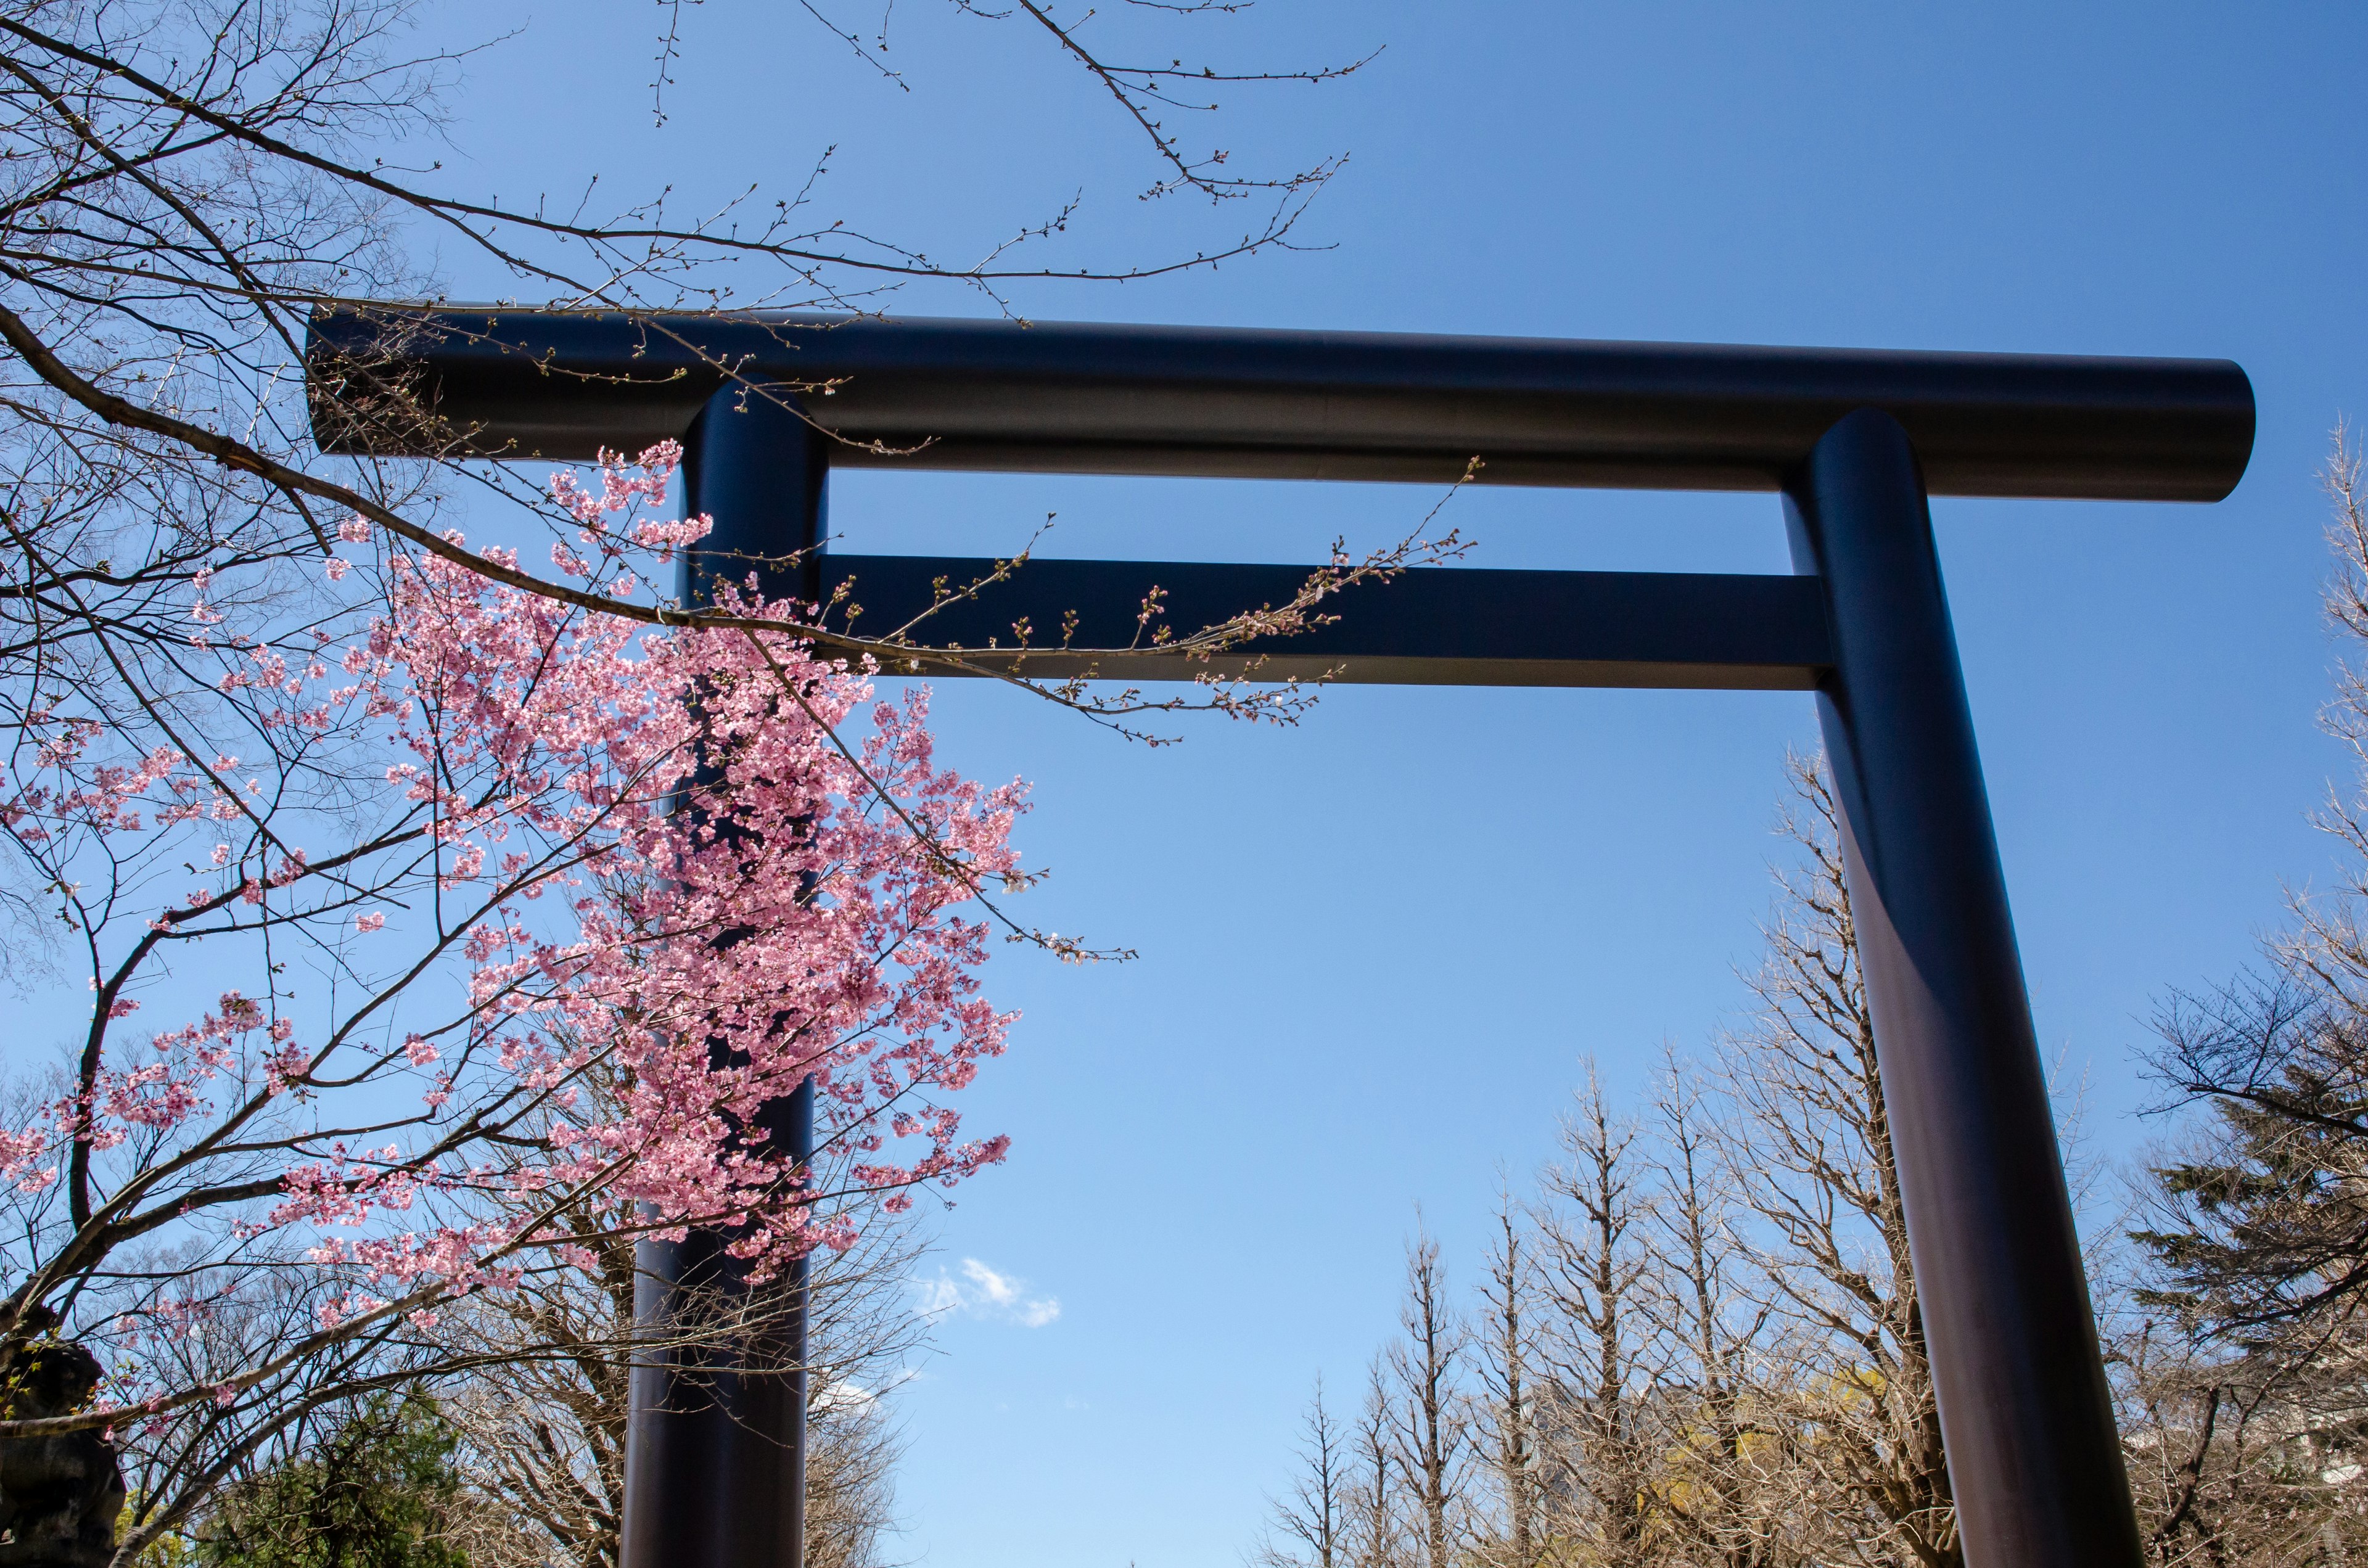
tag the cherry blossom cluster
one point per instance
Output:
(630, 888)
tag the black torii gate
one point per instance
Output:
(1853, 440)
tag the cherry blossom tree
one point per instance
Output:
(437, 899)
(532, 909)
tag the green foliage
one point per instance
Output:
(379, 1491)
(2262, 1236)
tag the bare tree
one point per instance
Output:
(2229, 1465)
(1729, 1490)
(1595, 1440)
(1377, 1534)
(1812, 1145)
(1310, 1526)
(1432, 1433)
(1716, 1356)
(1507, 1408)
(543, 1419)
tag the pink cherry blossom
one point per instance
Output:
(661, 878)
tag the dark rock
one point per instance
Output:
(59, 1496)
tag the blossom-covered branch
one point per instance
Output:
(537, 908)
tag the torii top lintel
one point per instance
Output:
(1102, 398)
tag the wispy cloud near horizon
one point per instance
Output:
(985, 1292)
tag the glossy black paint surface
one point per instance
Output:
(1105, 398)
(2033, 1457)
(715, 1452)
(1437, 626)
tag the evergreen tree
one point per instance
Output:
(2262, 1234)
(378, 1492)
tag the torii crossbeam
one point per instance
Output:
(1852, 439)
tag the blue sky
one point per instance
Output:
(1375, 948)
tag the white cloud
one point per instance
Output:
(984, 1292)
(845, 1394)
